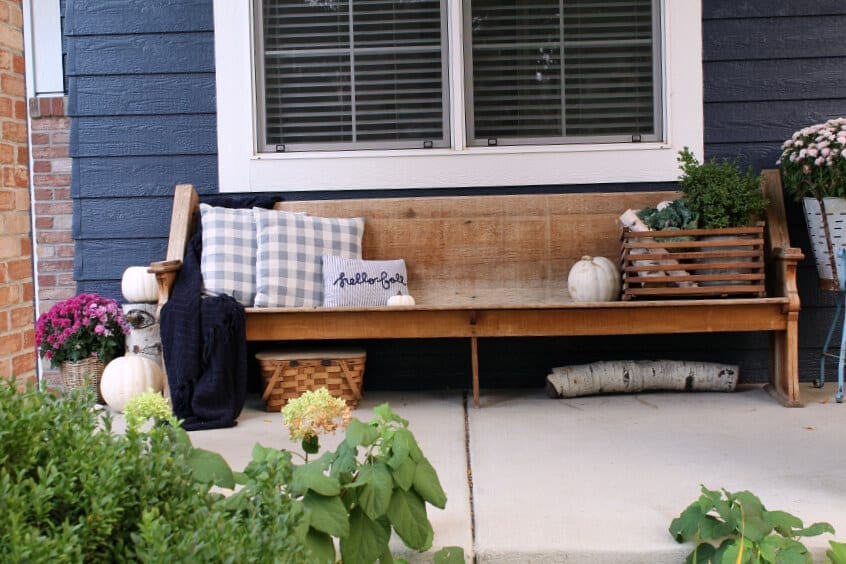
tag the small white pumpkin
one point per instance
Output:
(128, 376)
(139, 286)
(594, 279)
(401, 300)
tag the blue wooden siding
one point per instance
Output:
(142, 98)
(141, 94)
(771, 68)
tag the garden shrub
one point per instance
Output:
(72, 489)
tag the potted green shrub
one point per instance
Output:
(720, 193)
(723, 196)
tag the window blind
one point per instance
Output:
(354, 74)
(558, 71)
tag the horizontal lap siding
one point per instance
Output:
(142, 97)
(771, 68)
(141, 93)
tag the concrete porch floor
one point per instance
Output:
(597, 479)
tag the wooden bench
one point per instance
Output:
(497, 266)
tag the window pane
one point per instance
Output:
(555, 71)
(354, 74)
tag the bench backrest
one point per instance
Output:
(488, 249)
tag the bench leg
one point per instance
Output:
(784, 364)
(474, 359)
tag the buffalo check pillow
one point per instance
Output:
(352, 282)
(290, 247)
(229, 252)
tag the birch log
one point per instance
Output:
(632, 376)
(631, 221)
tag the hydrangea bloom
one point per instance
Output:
(144, 407)
(313, 413)
(82, 326)
(813, 161)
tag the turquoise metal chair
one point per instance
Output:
(840, 298)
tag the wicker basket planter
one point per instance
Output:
(79, 373)
(287, 374)
(714, 263)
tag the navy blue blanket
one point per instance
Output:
(204, 346)
(204, 341)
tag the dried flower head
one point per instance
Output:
(313, 413)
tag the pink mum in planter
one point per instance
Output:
(79, 327)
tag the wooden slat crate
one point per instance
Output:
(715, 263)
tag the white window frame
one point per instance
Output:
(241, 168)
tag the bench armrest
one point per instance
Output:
(785, 262)
(165, 271)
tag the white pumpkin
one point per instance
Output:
(139, 286)
(401, 300)
(128, 376)
(594, 279)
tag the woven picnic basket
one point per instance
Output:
(287, 374)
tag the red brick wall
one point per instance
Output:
(51, 176)
(17, 337)
(53, 208)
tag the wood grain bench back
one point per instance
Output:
(488, 250)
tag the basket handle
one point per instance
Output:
(355, 389)
(271, 383)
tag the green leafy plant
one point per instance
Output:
(719, 193)
(669, 216)
(736, 528)
(359, 500)
(72, 490)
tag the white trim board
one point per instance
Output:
(242, 169)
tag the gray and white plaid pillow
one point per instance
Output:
(357, 283)
(290, 247)
(229, 252)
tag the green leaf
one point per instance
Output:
(450, 555)
(327, 514)
(321, 546)
(404, 475)
(375, 494)
(311, 477)
(686, 526)
(756, 528)
(388, 558)
(182, 437)
(211, 467)
(711, 528)
(260, 453)
(837, 554)
(814, 530)
(783, 522)
(702, 554)
(793, 552)
(345, 460)
(367, 540)
(407, 513)
(361, 434)
(427, 484)
(399, 447)
(385, 412)
(735, 551)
